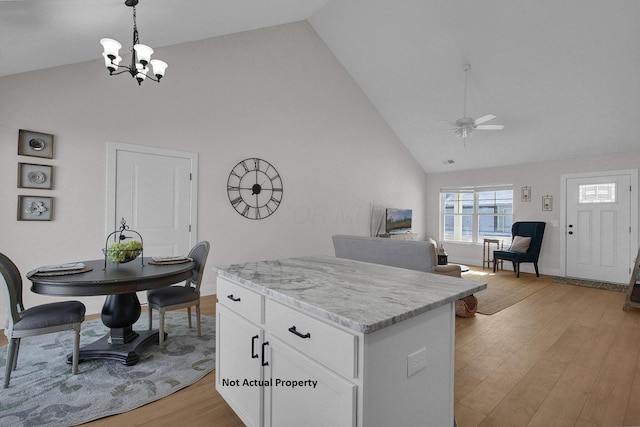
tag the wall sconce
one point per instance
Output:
(525, 194)
(547, 203)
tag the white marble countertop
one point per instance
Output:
(362, 296)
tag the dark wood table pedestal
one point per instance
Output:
(127, 353)
(121, 343)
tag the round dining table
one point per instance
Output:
(121, 309)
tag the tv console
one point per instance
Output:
(399, 236)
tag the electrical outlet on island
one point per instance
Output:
(416, 362)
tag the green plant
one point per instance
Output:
(123, 252)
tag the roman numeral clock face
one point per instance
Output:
(254, 188)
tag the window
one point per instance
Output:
(470, 214)
(597, 193)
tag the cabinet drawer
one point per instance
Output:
(331, 401)
(333, 347)
(239, 299)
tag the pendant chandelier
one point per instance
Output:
(140, 56)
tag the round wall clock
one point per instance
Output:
(254, 188)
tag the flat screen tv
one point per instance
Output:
(398, 221)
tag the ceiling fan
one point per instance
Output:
(465, 126)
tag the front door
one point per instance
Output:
(598, 227)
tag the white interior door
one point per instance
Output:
(598, 227)
(155, 191)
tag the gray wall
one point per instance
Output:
(276, 93)
(544, 179)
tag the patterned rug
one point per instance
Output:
(616, 287)
(43, 392)
(500, 295)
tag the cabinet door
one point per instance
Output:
(330, 402)
(238, 365)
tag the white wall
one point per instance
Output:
(543, 178)
(276, 93)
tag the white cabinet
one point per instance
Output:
(400, 374)
(326, 399)
(238, 358)
(241, 300)
(333, 347)
(286, 370)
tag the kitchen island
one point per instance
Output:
(319, 341)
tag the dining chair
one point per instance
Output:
(37, 320)
(181, 296)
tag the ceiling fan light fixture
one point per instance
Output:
(465, 126)
(463, 132)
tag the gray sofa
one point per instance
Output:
(410, 254)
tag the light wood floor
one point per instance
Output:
(565, 356)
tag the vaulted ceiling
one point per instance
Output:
(562, 76)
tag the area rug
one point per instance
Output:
(43, 392)
(615, 287)
(500, 295)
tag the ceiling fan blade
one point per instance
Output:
(490, 127)
(442, 131)
(483, 119)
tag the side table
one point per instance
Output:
(487, 255)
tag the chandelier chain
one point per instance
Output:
(136, 39)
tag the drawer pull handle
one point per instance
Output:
(264, 363)
(295, 332)
(232, 298)
(254, 355)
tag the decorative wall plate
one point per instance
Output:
(36, 144)
(35, 176)
(35, 208)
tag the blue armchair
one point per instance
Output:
(527, 229)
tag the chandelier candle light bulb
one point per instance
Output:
(140, 56)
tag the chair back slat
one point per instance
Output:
(199, 255)
(12, 287)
